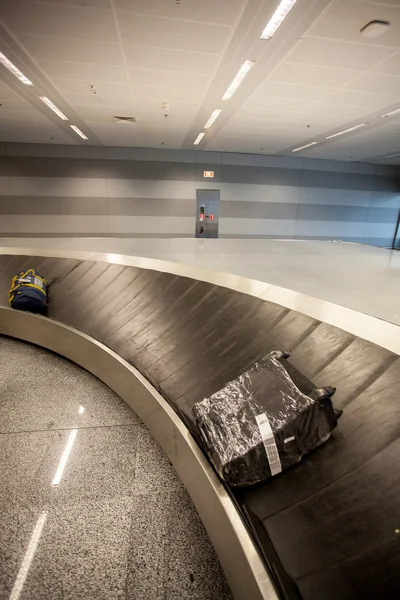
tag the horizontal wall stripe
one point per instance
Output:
(331, 229)
(161, 207)
(380, 230)
(19, 205)
(316, 212)
(258, 210)
(192, 156)
(340, 197)
(261, 175)
(174, 171)
(169, 225)
(52, 205)
(382, 215)
(93, 224)
(157, 207)
(8, 223)
(264, 227)
(104, 234)
(55, 186)
(66, 224)
(21, 166)
(232, 192)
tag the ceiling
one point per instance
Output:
(96, 59)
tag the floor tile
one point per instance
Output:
(66, 396)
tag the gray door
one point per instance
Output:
(207, 217)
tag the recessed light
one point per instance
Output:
(304, 147)
(284, 8)
(79, 132)
(244, 69)
(13, 69)
(54, 108)
(391, 114)
(375, 29)
(345, 131)
(199, 138)
(215, 114)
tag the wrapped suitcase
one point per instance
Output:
(29, 292)
(264, 421)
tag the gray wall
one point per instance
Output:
(80, 191)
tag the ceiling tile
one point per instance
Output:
(205, 11)
(94, 4)
(88, 73)
(63, 21)
(170, 60)
(367, 99)
(391, 66)
(112, 134)
(167, 94)
(103, 114)
(156, 106)
(347, 17)
(312, 75)
(179, 35)
(151, 77)
(341, 110)
(278, 89)
(370, 82)
(51, 48)
(339, 55)
(107, 93)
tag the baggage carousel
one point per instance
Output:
(328, 528)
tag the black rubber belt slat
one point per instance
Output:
(175, 347)
(348, 521)
(150, 342)
(158, 301)
(360, 362)
(320, 348)
(103, 300)
(161, 318)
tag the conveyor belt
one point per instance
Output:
(328, 526)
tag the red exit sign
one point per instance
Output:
(208, 173)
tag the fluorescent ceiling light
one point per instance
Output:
(215, 114)
(64, 457)
(284, 8)
(54, 108)
(13, 69)
(244, 69)
(345, 131)
(391, 114)
(81, 410)
(79, 132)
(304, 147)
(199, 138)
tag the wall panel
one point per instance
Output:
(65, 191)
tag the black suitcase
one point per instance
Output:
(264, 421)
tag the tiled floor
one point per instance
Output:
(115, 522)
(362, 278)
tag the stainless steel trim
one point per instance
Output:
(239, 556)
(369, 328)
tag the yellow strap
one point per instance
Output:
(32, 285)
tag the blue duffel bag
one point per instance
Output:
(29, 292)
